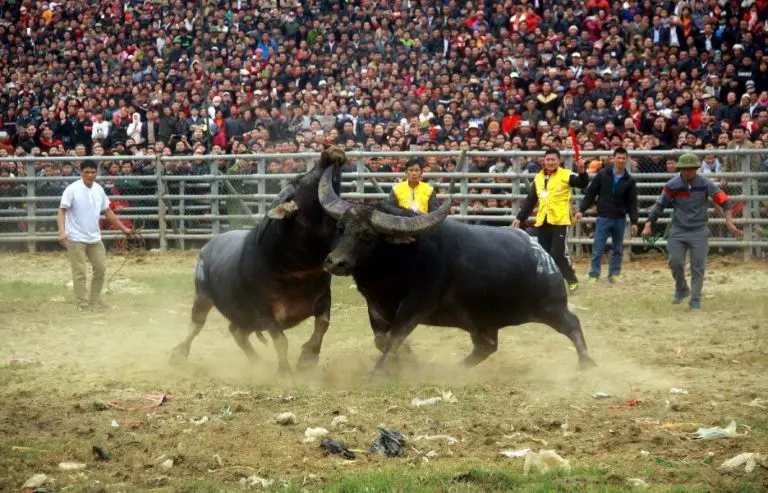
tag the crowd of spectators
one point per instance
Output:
(148, 77)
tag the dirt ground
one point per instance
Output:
(91, 369)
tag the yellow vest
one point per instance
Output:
(555, 199)
(415, 199)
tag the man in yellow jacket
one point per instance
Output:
(414, 194)
(551, 189)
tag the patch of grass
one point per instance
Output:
(28, 291)
(168, 283)
(749, 486)
(203, 486)
(758, 425)
(472, 480)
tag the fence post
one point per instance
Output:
(182, 225)
(750, 212)
(216, 225)
(162, 225)
(360, 182)
(31, 208)
(463, 165)
(261, 168)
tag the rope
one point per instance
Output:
(650, 242)
(129, 246)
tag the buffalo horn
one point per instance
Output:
(398, 225)
(334, 205)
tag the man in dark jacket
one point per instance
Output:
(615, 192)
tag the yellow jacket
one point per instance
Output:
(415, 199)
(554, 197)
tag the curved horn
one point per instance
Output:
(334, 205)
(415, 225)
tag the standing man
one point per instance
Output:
(688, 194)
(551, 188)
(82, 203)
(615, 192)
(414, 194)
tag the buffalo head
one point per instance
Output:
(364, 226)
(305, 186)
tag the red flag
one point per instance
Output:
(575, 142)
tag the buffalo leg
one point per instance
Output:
(240, 335)
(568, 324)
(281, 347)
(485, 343)
(200, 309)
(310, 352)
(380, 327)
(398, 333)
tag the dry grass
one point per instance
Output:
(528, 395)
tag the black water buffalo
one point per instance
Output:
(426, 269)
(271, 277)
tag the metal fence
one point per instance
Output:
(181, 201)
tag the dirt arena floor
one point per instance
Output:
(103, 379)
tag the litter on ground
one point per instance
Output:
(417, 403)
(312, 434)
(389, 442)
(748, 460)
(447, 439)
(637, 483)
(716, 432)
(515, 454)
(286, 418)
(544, 461)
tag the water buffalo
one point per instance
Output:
(426, 269)
(271, 277)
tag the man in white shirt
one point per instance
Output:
(82, 203)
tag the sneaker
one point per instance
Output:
(614, 279)
(573, 287)
(593, 280)
(695, 305)
(679, 296)
(82, 307)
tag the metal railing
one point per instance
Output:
(181, 199)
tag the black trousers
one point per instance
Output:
(553, 240)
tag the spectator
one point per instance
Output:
(551, 190)
(689, 225)
(82, 202)
(615, 192)
(412, 193)
(419, 76)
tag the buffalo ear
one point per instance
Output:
(283, 210)
(399, 240)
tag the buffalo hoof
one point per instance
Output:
(587, 363)
(178, 356)
(284, 372)
(377, 376)
(308, 360)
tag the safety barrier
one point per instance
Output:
(175, 200)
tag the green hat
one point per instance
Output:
(688, 161)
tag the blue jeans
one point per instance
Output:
(606, 226)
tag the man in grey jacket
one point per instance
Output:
(688, 195)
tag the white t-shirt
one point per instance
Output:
(84, 207)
